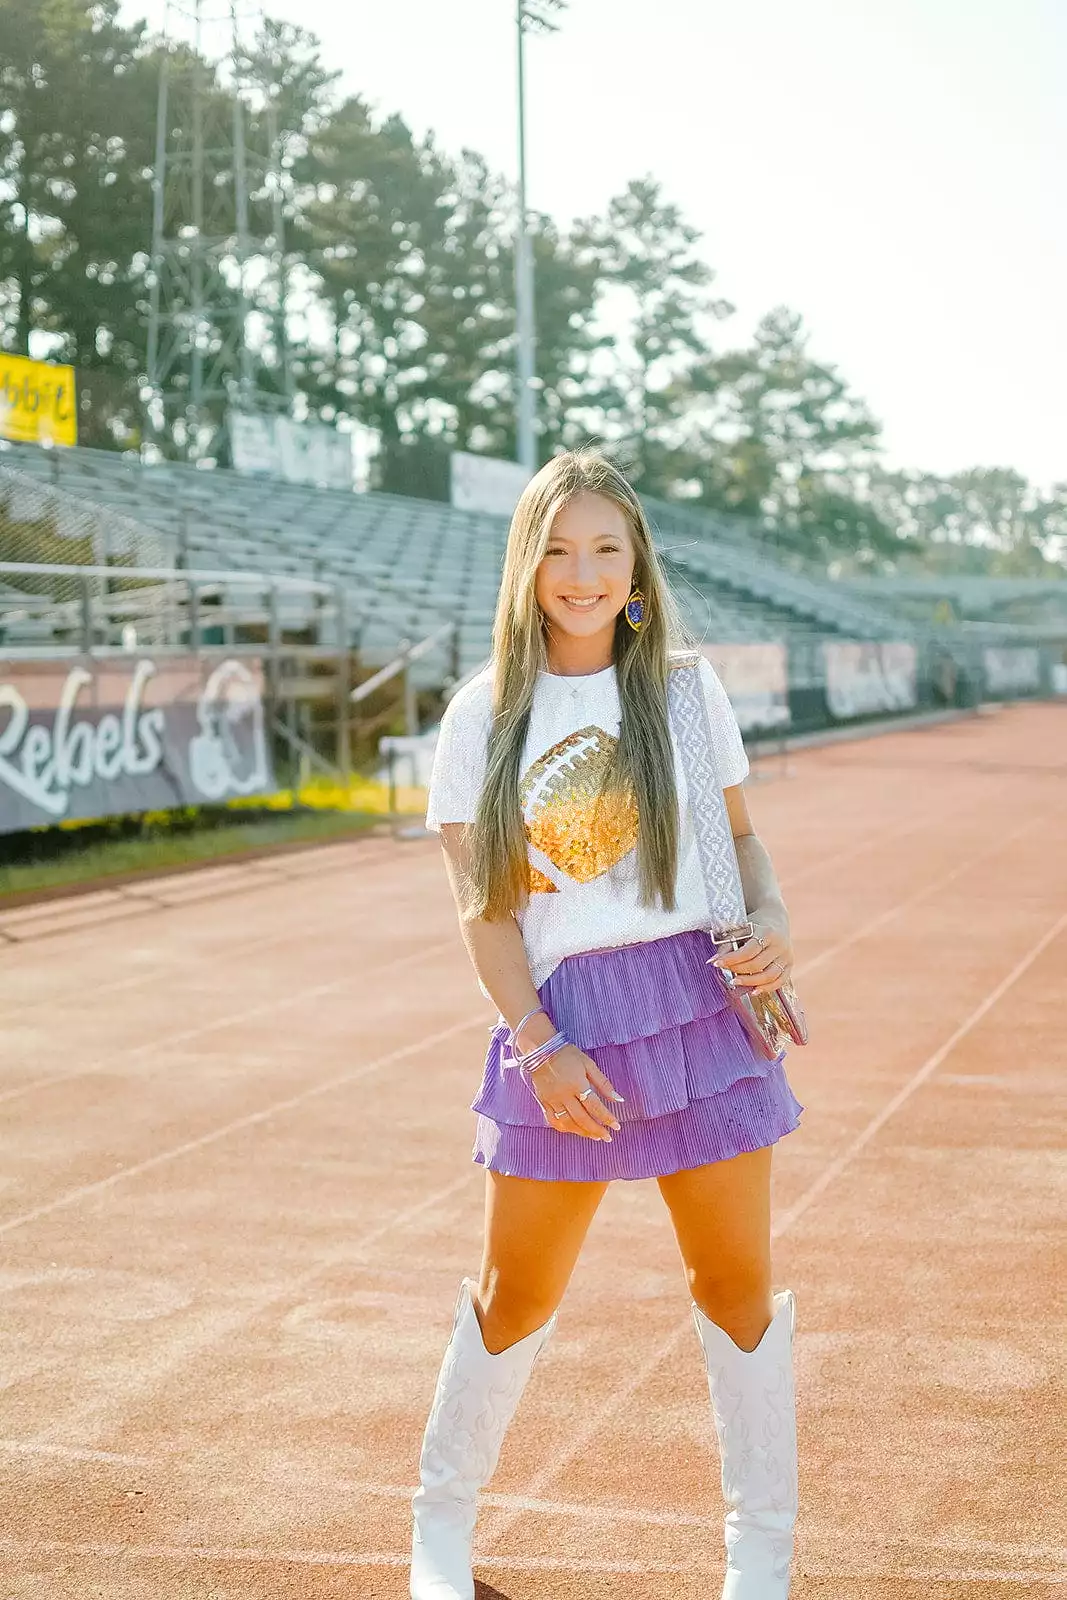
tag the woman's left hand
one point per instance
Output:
(764, 961)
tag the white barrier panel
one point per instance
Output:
(865, 678)
(756, 679)
(1059, 677)
(413, 754)
(1015, 670)
(481, 483)
(299, 452)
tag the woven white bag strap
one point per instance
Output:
(707, 805)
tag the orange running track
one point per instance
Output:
(237, 1200)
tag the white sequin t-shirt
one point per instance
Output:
(584, 892)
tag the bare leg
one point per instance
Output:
(722, 1221)
(534, 1232)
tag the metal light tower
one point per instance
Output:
(531, 16)
(201, 357)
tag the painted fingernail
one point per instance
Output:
(619, 1098)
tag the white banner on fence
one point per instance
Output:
(481, 483)
(756, 679)
(1012, 670)
(1059, 677)
(299, 452)
(862, 678)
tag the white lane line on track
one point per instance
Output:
(239, 1123)
(832, 862)
(882, 836)
(228, 1554)
(141, 905)
(165, 970)
(916, 1081)
(969, 1549)
(925, 1575)
(226, 1326)
(547, 1508)
(250, 1014)
(915, 899)
(29, 1447)
(620, 1397)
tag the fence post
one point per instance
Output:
(344, 688)
(453, 653)
(274, 637)
(411, 705)
(101, 558)
(87, 615)
(194, 618)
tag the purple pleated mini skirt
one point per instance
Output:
(655, 1019)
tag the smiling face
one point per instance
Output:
(585, 575)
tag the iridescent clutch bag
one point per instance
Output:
(774, 1018)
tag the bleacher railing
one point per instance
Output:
(297, 628)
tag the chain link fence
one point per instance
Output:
(43, 525)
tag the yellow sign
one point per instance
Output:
(37, 402)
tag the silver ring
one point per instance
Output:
(562, 1112)
(587, 1092)
(761, 941)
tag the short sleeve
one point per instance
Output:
(730, 756)
(459, 758)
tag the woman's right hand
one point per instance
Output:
(563, 1085)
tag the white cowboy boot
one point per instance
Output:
(755, 1419)
(475, 1399)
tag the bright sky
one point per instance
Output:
(891, 169)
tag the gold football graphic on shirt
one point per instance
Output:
(581, 832)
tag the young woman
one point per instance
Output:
(567, 830)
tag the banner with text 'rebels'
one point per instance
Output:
(105, 738)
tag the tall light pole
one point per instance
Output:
(531, 16)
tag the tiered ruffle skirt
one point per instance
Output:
(655, 1019)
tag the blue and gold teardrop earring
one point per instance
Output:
(635, 609)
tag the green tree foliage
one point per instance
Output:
(780, 439)
(75, 208)
(368, 199)
(461, 375)
(651, 277)
(987, 521)
(395, 302)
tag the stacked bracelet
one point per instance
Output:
(532, 1059)
(540, 1053)
(514, 1032)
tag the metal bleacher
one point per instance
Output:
(716, 555)
(407, 565)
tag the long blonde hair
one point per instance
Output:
(643, 763)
